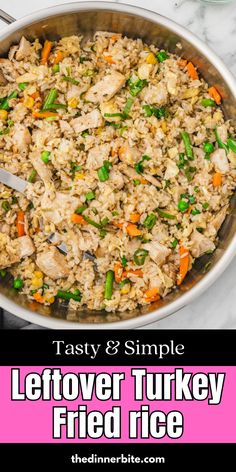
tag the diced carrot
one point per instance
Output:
(115, 37)
(132, 230)
(109, 59)
(144, 181)
(136, 272)
(20, 223)
(134, 217)
(151, 295)
(44, 114)
(189, 210)
(213, 92)
(118, 271)
(117, 225)
(57, 58)
(35, 95)
(184, 264)
(38, 297)
(46, 52)
(217, 179)
(182, 63)
(78, 219)
(192, 72)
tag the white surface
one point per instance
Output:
(215, 24)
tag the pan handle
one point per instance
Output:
(7, 18)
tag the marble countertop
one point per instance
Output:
(216, 25)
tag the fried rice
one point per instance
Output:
(130, 166)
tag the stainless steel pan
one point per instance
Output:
(85, 18)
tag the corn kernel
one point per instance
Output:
(29, 102)
(151, 58)
(79, 176)
(73, 102)
(38, 274)
(36, 282)
(49, 299)
(3, 115)
(164, 126)
(125, 289)
(98, 130)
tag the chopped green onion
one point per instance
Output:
(76, 295)
(231, 143)
(18, 283)
(90, 196)
(56, 68)
(162, 56)
(50, 99)
(196, 189)
(124, 261)
(45, 156)
(189, 173)
(150, 221)
(183, 205)
(3, 273)
(207, 157)
(159, 112)
(124, 282)
(84, 134)
(75, 168)
(94, 210)
(208, 147)
(192, 199)
(14, 200)
(88, 73)
(82, 59)
(92, 222)
(182, 161)
(103, 174)
(115, 213)
(147, 110)
(187, 144)
(55, 106)
(32, 176)
(80, 210)
(127, 108)
(195, 211)
(136, 182)
(208, 102)
(205, 205)
(111, 115)
(139, 165)
(174, 243)
(4, 104)
(136, 85)
(200, 230)
(220, 142)
(109, 285)
(23, 85)
(103, 233)
(67, 78)
(164, 214)
(104, 221)
(140, 256)
(6, 206)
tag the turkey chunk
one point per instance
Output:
(155, 94)
(41, 168)
(220, 161)
(13, 251)
(60, 208)
(219, 218)
(21, 137)
(52, 263)
(157, 252)
(105, 88)
(25, 246)
(91, 120)
(97, 155)
(200, 244)
(24, 49)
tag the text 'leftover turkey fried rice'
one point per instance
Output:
(129, 161)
